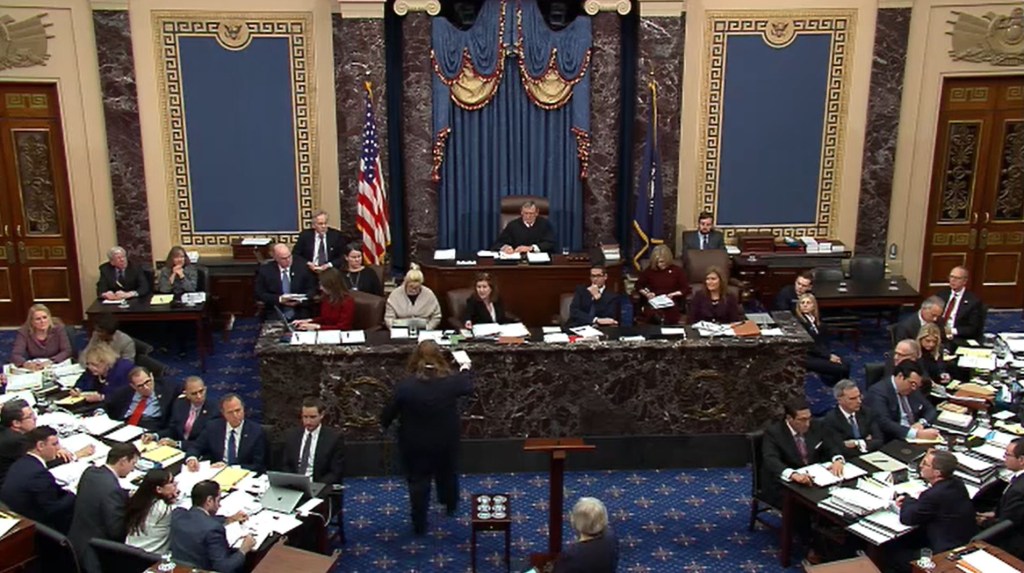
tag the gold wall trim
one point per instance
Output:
(26, 101)
(431, 7)
(167, 28)
(592, 7)
(6, 272)
(719, 25)
(661, 8)
(995, 38)
(32, 283)
(373, 9)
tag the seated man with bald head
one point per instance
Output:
(278, 280)
(963, 317)
(120, 279)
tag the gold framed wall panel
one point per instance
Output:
(234, 31)
(779, 29)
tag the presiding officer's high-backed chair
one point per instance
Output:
(511, 205)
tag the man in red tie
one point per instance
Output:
(963, 315)
(790, 444)
(146, 402)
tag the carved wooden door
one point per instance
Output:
(38, 261)
(976, 208)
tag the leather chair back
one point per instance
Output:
(867, 269)
(563, 307)
(697, 263)
(369, 311)
(55, 551)
(511, 205)
(873, 372)
(119, 557)
(380, 273)
(202, 279)
(828, 275)
(457, 305)
(755, 441)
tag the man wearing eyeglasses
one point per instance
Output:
(145, 402)
(595, 304)
(189, 414)
(962, 315)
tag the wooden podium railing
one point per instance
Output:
(557, 450)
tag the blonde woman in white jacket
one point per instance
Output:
(413, 300)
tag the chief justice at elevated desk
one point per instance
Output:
(529, 233)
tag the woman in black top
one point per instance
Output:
(929, 338)
(426, 405)
(830, 367)
(484, 306)
(358, 277)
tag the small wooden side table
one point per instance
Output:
(492, 512)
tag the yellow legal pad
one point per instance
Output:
(69, 400)
(161, 299)
(162, 453)
(228, 477)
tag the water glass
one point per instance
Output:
(925, 562)
(165, 563)
(565, 251)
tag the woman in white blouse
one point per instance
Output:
(148, 514)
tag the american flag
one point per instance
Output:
(372, 204)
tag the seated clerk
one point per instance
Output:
(105, 373)
(337, 307)
(850, 430)
(714, 303)
(662, 277)
(413, 299)
(484, 305)
(230, 440)
(188, 417)
(32, 491)
(357, 276)
(819, 358)
(794, 442)
(530, 233)
(146, 402)
(595, 304)
(902, 411)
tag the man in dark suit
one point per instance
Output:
(314, 449)
(120, 279)
(792, 443)
(962, 315)
(530, 233)
(31, 490)
(943, 513)
(278, 283)
(595, 304)
(320, 247)
(849, 429)
(145, 402)
(17, 419)
(788, 296)
(705, 237)
(230, 440)
(189, 415)
(100, 505)
(1011, 503)
(902, 410)
(930, 312)
(198, 537)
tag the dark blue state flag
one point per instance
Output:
(648, 224)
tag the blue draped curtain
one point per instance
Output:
(509, 119)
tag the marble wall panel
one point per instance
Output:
(124, 138)
(599, 191)
(358, 58)
(661, 59)
(417, 137)
(890, 54)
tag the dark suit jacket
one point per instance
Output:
(306, 245)
(428, 412)
(944, 512)
(476, 312)
(175, 429)
(910, 327)
(99, 514)
(1011, 506)
(517, 234)
(882, 401)
(597, 555)
(328, 460)
(31, 491)
(779, 453)
(252, 446)
(164, 392)
(199, 540)
(134, 280)
(970, 316)
(786, 299)
(819, 334)
(691, 240)
(837, 429)
(12, 447)
(584, 309)
(268, 283)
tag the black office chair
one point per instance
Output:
(757, 504)
(120, 558)
(873, 372)
(891, 329)
(55, 551)
(867, 269)
(993, 531)
(150, 277)
(274, 455)
(828, 275)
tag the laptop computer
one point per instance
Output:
(286, 491)
(287, 324)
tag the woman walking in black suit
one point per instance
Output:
(426, 405)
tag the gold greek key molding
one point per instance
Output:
(23, 44)
(592, 7)
(431, 7)
(370, 9)
(993, 38)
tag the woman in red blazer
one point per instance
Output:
(337, 307)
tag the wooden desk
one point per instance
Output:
(944, 565)
(18, 547)
(531, 292)
(768, 272)
(889, 293)
(139, 310)
(284, 558)
(859, 564)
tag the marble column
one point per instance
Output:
(417, 136)
(599, 191)
(124, 138)
(358, 58)
(890, 54)
(661, 57)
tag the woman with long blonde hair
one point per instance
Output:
(830, 367)
(40, 341)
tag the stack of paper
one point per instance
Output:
(229, 476)
(78, 442)
(538, 258)
(556, 338)
(514, 330)
(23, 380)
(98, 425)
(256, 241)
(125, 434)
(821, 476)
(661, 301)
(982, 561)
(587, 332)
(884, 462)
(444, 255)
(880, 526)
(854, 501)
(164, 456)
(237, 501)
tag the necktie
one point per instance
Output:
(192, 414)
(304, 458)
(231, 454)
(120, 277)
(321, 251)
(856, 428)
(949, 307)
(703, 241)
(286, 282)
(137, 412)
(801, 446)
(905, 405)
(814, 327)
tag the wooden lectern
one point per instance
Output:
(557, 449)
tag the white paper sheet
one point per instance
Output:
(536, 258)
(99, 425)
(237, 501)
(551, 329)
(353, 337)
(25, 395)
(673, 331)
(67, 475)
(76, 442)
(587, 332)
(399, 332)
(982, 560)
(461, 357)
(486, 329)
(514, 329)
(332, 337)
(6, 525)
(444, 255)
(302, 337)
(125, 434)
(556, 338)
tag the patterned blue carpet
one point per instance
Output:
(668, 521)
